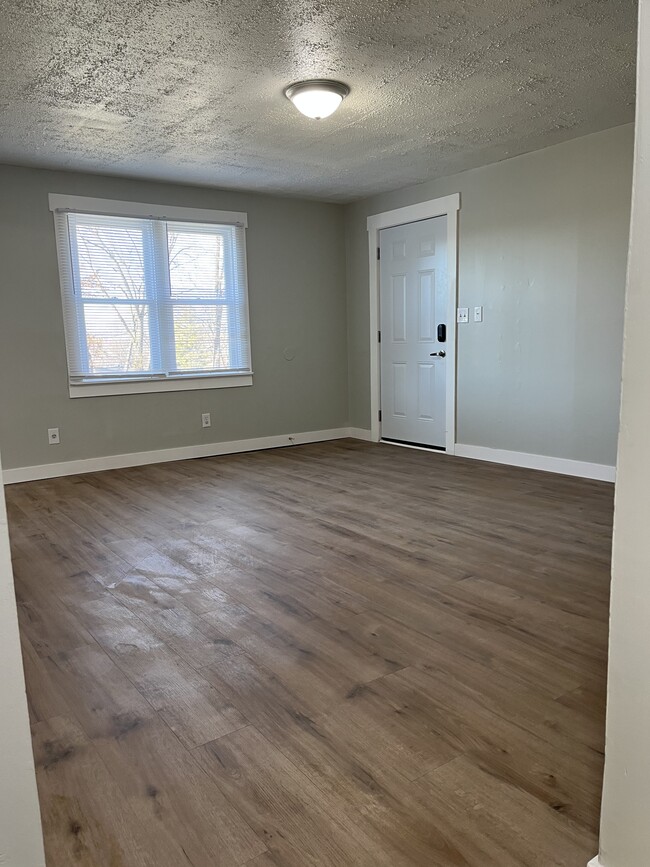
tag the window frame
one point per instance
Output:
(143, 384)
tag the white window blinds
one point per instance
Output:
(151, 298)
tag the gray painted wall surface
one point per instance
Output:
(297, 299)
(542, 246)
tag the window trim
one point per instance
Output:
(153, 385)
(116, 208)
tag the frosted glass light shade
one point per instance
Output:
(317, 98)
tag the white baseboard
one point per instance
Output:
(204, 450)
(595, 862)
(359, 433)
(583, 469)
(159, 456)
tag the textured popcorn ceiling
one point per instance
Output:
(191, 90)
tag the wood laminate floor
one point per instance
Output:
(335, 654)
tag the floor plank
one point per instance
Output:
(86, 820)
(336, 654)
(296, 820)
(206, 827)
(512, 827)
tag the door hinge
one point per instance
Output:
(378, 253)
(379, 414)
(379, 337)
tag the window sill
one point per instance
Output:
(149, 386)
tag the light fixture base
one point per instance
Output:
(317, 98)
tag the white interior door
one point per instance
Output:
(414, 300)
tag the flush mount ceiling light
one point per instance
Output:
(317, 98)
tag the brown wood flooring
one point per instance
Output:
(335, 654)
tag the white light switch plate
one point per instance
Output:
(462, 314)
(478, 314)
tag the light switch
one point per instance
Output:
(462, 314)
(478, 314)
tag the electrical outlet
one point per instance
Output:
(478, 314)
(206, 421)
(53, 436)
(462, 314)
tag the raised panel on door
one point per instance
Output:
(398, 250)
(400, 396)
(398, 329)
(426, 244)
(426, 391)
(426, 306)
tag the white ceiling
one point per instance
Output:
(191, 90)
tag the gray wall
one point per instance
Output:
(297, 298)
(542, 246)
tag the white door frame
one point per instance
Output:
(446, 206)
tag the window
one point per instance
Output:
(154, 299)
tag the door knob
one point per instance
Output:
(441, 354)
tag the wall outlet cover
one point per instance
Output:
(462, 314)
(53, 437)
(206, 420)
